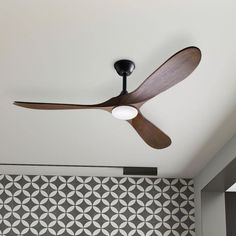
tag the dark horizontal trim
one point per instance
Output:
(140, 171)
(127, 170)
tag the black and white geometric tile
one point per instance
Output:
(62, 205)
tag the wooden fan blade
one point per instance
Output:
(174, 70)
(60, 106)
(153, 136)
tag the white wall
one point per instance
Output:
(221, 159)
(213, 214)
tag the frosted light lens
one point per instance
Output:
(124, 112)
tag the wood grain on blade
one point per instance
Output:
(174, 70)
(59, 106)
(153, 136)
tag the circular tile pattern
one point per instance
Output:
(60, 205)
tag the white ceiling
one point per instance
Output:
(63, 51)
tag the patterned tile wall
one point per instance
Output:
(59, 205)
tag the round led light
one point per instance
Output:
(124, 112)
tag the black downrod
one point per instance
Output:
(124, 68)
(124, 85)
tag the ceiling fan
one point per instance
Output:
(126, 106)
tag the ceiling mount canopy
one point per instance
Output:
(124, 68)
(127, 105)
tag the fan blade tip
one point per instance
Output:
(166, 145)
(16, 103)
(198, 50)
(194, 49)
(169, 143)
(161, 147)
(195, 53)
(21, 104)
